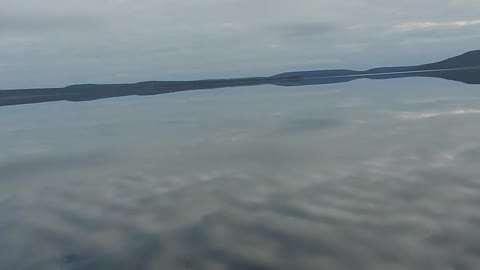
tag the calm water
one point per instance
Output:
(365, 175)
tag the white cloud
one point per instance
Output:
(413, 26)
(426, 115)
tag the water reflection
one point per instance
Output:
(357, 221)
(262, 178)
(464, 68)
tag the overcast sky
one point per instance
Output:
(59, 42)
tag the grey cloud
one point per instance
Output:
(120, 41)
(443, 32)
(471, 155)
(307, 29)
(16, 24)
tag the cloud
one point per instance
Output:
(306, 29)
(123, 41)
(471, 155)
(426, 115)
(19, 25)
(415, 26)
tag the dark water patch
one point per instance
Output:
(309, 125)
(53, 163)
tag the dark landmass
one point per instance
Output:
(464, 68)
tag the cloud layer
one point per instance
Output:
(54, 43)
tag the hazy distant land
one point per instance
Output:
(464, 68)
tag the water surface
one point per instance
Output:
(362, 175)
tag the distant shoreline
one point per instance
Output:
(464, 68)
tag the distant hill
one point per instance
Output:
(463, 68)
(469, 59)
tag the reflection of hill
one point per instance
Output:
(464, 68)
(314, 77)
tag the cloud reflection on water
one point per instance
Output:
(304, 188)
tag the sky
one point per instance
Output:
(53, 43)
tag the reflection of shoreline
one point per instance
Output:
(380, 75)
(394, 73)
(464, 68)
